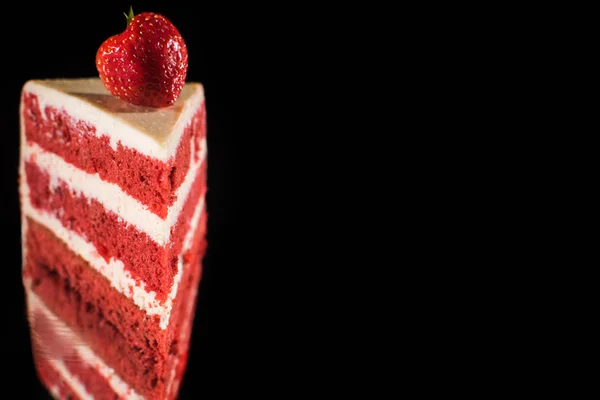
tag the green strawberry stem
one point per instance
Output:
(130, 16)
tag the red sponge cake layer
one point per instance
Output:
(133, 345)
(76, 372)
(113, 238)
(151, 181)
(139, 329)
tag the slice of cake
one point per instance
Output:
(113, 222)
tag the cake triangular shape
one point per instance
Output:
(114, 223)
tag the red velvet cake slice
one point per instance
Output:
(113, 222)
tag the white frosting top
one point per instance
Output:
(154, 132)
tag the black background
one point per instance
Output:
(61, 41)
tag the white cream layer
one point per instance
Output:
(86, 354)
(112, 197)
(114, 270)
(76, 386)
(55, 392)
(116, 129)
(116, 383)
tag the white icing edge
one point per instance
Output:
(114, 270)
(55, 392)
(112, 197)
(87, 355)
(117, 130)
(188, 241)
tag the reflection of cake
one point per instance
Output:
(113, 217)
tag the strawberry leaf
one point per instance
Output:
(130, 16)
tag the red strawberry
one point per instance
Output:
(145, 65)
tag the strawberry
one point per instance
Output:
(146, 64)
